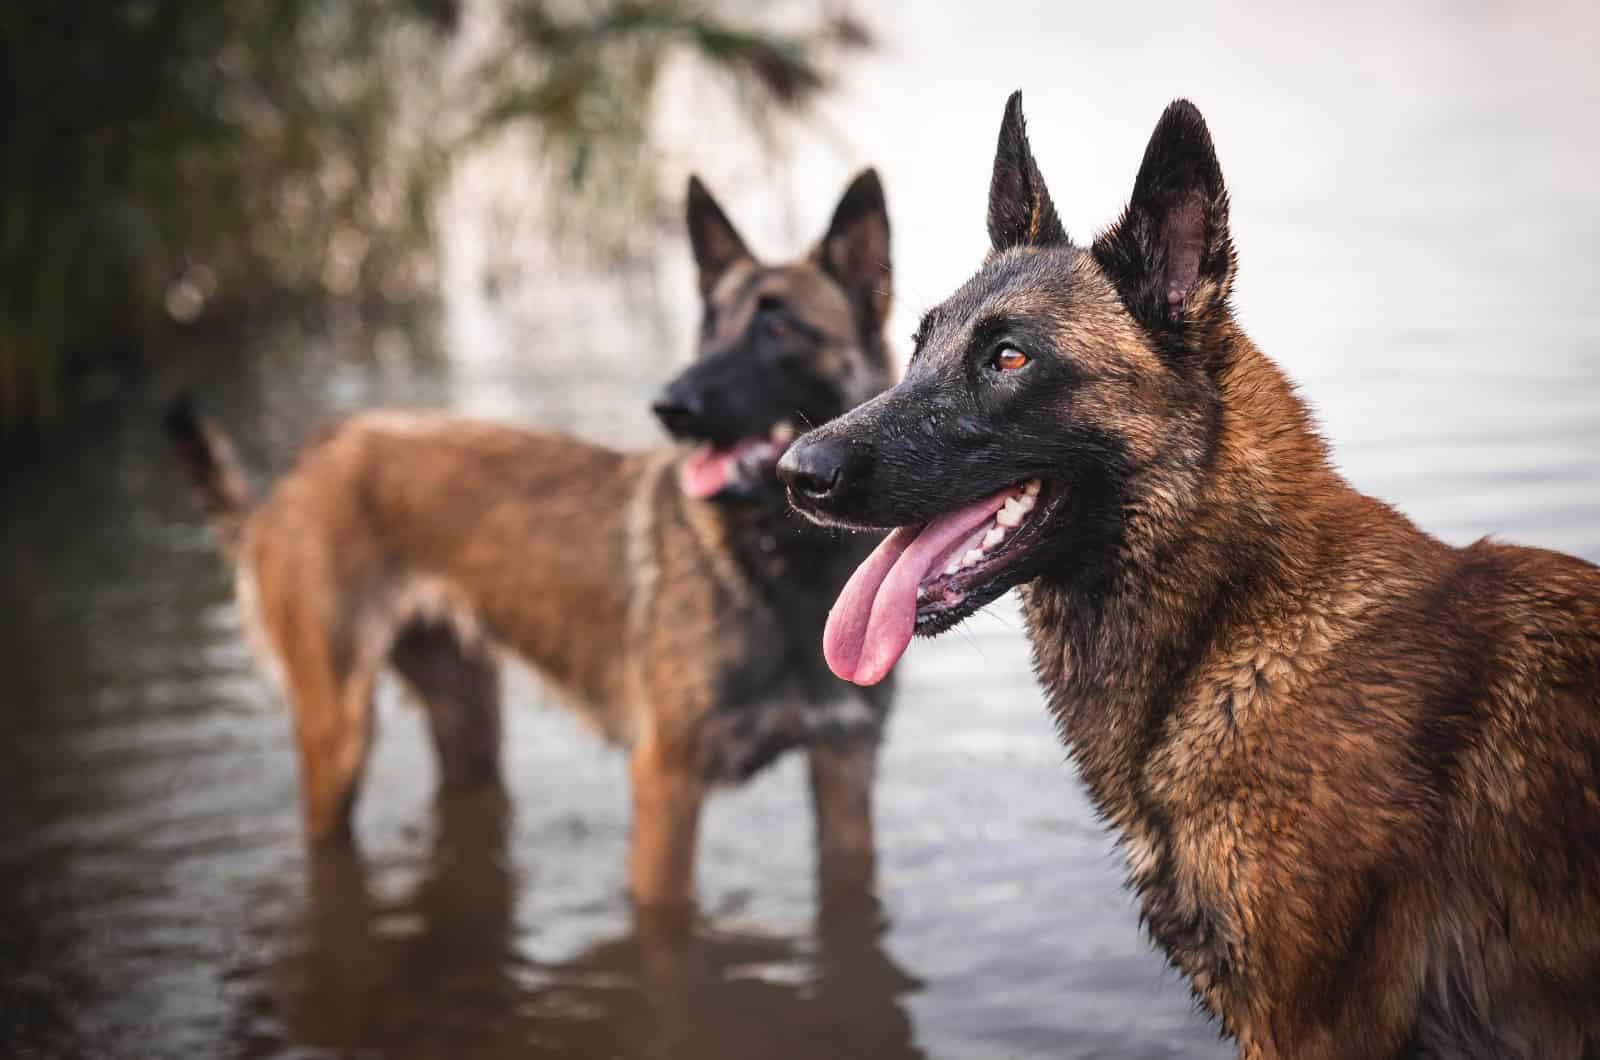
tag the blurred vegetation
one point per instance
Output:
(171, 160)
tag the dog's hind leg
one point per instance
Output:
(458, 683)
(841, 794)
(667, 796)
(334, 723)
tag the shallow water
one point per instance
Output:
(1417, 250)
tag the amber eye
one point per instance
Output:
(1008, 359)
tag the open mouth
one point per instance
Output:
(740, 468)
(925, 579)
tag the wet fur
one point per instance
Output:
(1355, 772)
(684, 630)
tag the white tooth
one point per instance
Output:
(953, 566)
(1032, 488)
(974, 555)
(1010, 515)
(993, 537)
(1026, 503)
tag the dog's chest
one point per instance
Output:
(738, 738)
(1193, 875)
(1188, 785)
(771, 689)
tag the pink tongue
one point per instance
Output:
(704, 472)
(872, 621)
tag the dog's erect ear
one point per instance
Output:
(1020, 210)
(855, 250)
(1170, 255)
(716, 242)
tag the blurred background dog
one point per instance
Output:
(674, 601)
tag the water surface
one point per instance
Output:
(1416, 216)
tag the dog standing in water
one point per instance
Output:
(1355, 772)
(672, 599)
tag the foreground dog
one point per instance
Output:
(1355, 772)
(673, 600)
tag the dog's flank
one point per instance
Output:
(671, 599)
(1355, 773)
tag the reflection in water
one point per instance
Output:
(437, 971)
(155, 900)
(357, 971)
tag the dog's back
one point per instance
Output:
(1367, 821)
(399, 517)
(1500, 652)
(1357, 770)
(426, 543)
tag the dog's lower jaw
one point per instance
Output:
(747, 467)
(942, 607)
(950, 565)
(936, 622)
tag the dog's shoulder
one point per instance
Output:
(1533, 613)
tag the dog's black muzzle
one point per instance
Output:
(682, 410)
(864, 469)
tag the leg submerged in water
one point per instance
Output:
(458, 684)
(841, 793)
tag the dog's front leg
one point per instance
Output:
(841, 794)
(667, 797)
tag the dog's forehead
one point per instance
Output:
(802, 287)
(736, 283)
(1025, 282)
(807, 288)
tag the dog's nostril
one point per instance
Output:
(816, 484)
(812, 474)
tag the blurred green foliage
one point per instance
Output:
(168, 159)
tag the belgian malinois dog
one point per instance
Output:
(1355, 772)
(671, 597)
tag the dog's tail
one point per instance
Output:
(220, 486)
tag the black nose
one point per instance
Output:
(681, 412)
(814, 469)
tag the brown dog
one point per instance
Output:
(672, 599)
(1355, 772)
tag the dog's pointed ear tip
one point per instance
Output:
(862, 198)
(867, 187)
(1012, 123)
(1183, 117)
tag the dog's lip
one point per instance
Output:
(885, 601)
(942, 594)
(711, 469)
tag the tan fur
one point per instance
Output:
(1355, 772)
(504, 537)
(430, 544)
(1285, 771)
